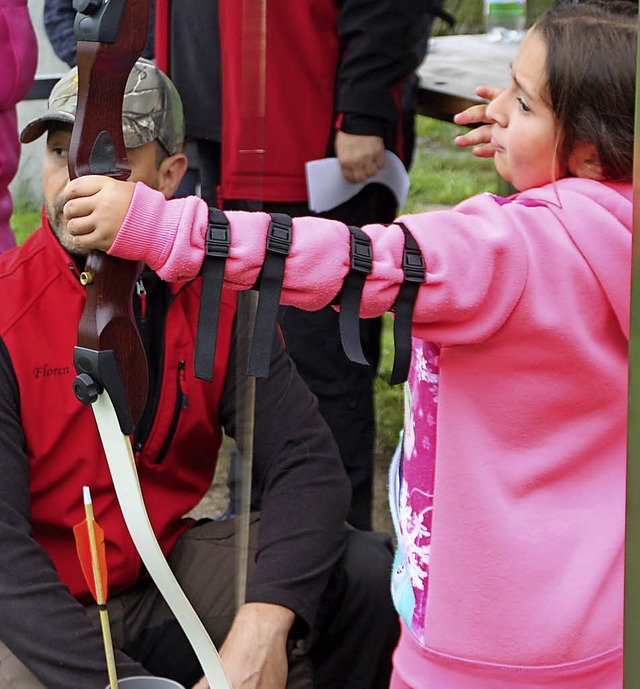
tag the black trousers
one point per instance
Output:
(344, 391)
(350, 647)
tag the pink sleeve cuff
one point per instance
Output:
(166, 235)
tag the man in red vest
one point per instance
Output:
(318, 609)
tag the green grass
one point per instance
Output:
(388, 399)
(443, 174)
(469, 15)
(25, 218)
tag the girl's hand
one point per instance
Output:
(95, 209)
(480, 137)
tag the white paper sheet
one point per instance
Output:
(327, 188)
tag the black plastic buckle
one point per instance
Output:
(218, 239)
(413, 265)
(279, 236)
(361, 254)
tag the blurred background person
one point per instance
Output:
(19, 57)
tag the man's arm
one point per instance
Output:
(378, 51)
(40, 622)
(305, 498)
(254, 653)
(59, 16)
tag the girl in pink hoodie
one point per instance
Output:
(18, 57)
(508, 490)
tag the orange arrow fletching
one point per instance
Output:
(92, 553)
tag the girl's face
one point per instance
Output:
(525, 129)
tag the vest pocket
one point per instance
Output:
(182, 402)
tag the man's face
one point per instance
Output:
(55, 176)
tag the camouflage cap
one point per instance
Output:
(152, 108)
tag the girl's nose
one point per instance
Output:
(496, 110)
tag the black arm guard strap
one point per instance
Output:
(217, 243)
(351, 295)
(414, 269)
(279, 238)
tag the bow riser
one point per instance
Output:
(101, 149)
(108, 323)
(103, 70)
(98, 147)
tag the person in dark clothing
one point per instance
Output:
(333, 88)
(316, 612)
(59, 16)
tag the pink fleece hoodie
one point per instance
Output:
(528, 302)
(18, 57)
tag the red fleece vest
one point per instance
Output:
(41, 304)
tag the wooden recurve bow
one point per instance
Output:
(110, 358)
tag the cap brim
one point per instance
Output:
(36, 128)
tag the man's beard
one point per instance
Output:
(58, 225)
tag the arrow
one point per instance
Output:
(93, 561)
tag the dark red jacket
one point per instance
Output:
(37, 290)
(328, 63)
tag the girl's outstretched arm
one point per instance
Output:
(473, 258)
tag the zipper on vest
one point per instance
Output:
(156, 321)
(182, 402)
(142, 295)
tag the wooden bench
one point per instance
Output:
(453, 68)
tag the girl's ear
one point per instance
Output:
(584, 161)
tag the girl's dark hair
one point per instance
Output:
(591, 66)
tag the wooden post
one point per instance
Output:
(632, 551)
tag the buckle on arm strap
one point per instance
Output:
(351, 294)
(414, 269)
(279, 237)
(217, 244)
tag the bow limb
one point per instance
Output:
(125, 480)
(253, 85)
(110, 358)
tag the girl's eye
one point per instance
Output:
(523, 106)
